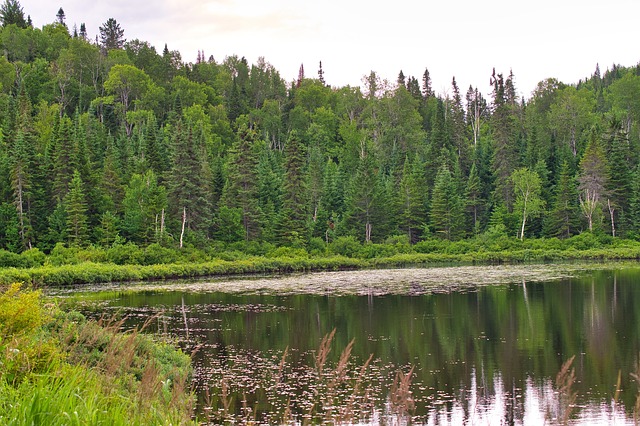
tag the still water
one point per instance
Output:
(485, 354)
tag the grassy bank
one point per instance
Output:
(127, 262)
(59, 369)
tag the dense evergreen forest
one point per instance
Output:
(107, 141)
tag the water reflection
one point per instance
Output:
(488, 356)
(535, 404)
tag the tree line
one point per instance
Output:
(105, 141)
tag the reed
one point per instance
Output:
(565, 380)
(401, 397)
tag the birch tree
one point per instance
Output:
(527, 188)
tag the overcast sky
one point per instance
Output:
(538, 39)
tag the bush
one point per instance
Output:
(584, 241)
(317, 246)
(34, 257)
(155, 254)
(63, 255)
(346, 246)
(125, 254)
(288, 252)
(12, 260)
(371, 251)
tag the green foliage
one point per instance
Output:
(527, 186)
(234, 153)
(447, 207)
(60, 369)
(11, 13)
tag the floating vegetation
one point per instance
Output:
(248, 387)
(376, 282)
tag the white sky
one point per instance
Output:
(538, 39)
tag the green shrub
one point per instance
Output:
(371, 251)
(9, 259)
(125, 254)
(63, 255)
(34, 257)
(288, 252)
(317, 246)
(155, 254)
(347, 246)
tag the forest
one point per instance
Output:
(105, 142)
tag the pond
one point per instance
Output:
(475, 345)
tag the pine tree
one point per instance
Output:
(563, 220)
(111, 35)
(620, 165)
(447, 207)
(473, 197)
(411, 199)
(241, 187)
(295, 214)
(63, 154)
(21, 168)
(76, 212)
(364, 199)
(11, 13)
(61, 17)
(189, 179)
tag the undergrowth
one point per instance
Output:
(57, 368)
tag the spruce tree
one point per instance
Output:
(107, 232)
(269, 191)
(241, 187)
(143, 205)
(411, 199)
(21, 168)
(76, 212)
(563, 220)
(63, 154)
(189, 180)
(447, 207)
(111, 35)
(364, 197)
(505, 134)
(295, 213)
(473, 198)
(620, 166)
(11, 13)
